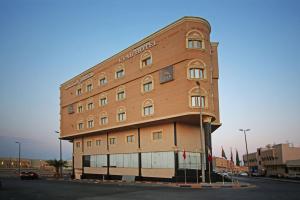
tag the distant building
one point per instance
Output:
(134, 113)
(223, 165)
(274, 160)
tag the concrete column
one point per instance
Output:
(207, 132)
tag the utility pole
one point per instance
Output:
(202, 136)
(60, 156)
(244, 131)
(19, 143)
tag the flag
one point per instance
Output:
(209, 157)
(223, 154)
(184, 155)
(237, 159)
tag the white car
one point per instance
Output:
(243, 174)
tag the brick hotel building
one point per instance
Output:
(135, 112)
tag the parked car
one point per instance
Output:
(243, 174)
(29, 175)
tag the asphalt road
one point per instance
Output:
(13, 189)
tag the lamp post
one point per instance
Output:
(60, 155)
(201, 136)
(245, 130)
(19, 143)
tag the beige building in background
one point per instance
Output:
(275, 160)
(224, 165)
(134, 113)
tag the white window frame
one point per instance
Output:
(102, 81)
(90, 123)
(103, 101)
(120, 73)
(197, 101)
(157, 135)
(130, 139)
(89, 87)
(103, 120)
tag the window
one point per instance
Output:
(148, 107)
(195, 44)
(196, 73)
(147, 87)
(89, 87)
(157, 135)
(77, 144)
(128, 160)
(103, 120)
(121, 116)
(196, 69)
(147, 84)
(80, 108)
(90, 123)
(89, 143)
(146, 62)
(146, 59)
(130, 138)
(158, 160)
(98, 142)
(79, 91)
(103, 101)
(112, 140)
(90, 106)
(194, 40)
(148, 110)
(120, 73)
(120, 95)
(102, 81)
(80, 126)
(197, 101)
(70, 109)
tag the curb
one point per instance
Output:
(159, 184)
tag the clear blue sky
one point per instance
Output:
(45, 43)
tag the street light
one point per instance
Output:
(60, 155)
(19, 143)
(245, 130)
(201, 136)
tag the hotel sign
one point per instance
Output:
(137, 51)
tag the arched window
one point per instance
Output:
(121, 114)
(79, 90)
(119, 71)
(90, 121)
(102, 79)
(148, 108)
(146, 59)
(80, 124)
(120, 93)
(198, 98)
(103, 100)
(79, 108)
(89, 85)
(195, 40)
(89, 104)
(196, 70)
(147, 84)
(103, 118)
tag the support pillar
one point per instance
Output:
(207, 131)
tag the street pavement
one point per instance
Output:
(14, 189)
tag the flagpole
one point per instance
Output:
(209, 172)
(184, 171)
